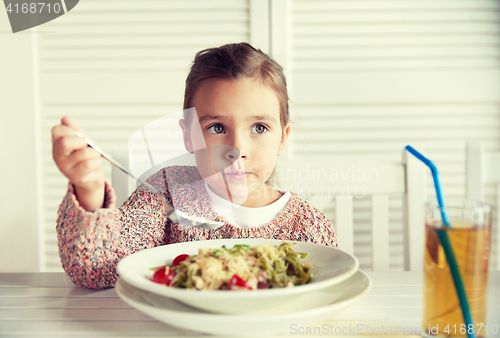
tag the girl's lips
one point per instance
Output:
(238, 176)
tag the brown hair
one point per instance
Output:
(235, 61)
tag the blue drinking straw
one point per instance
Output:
(446, 244)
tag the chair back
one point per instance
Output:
(119, 180)
(339, 182)
(482, 168)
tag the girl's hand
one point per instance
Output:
(81, 164)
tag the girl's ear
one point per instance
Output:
(284, 138)
(186, 135)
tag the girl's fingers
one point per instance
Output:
(67, 127)
(64, 146)
(86, 166)
(68, 163)
(78, 162)
(61, 131)
(82, 155)
(71, 123)
(66, 158)
(86, 171)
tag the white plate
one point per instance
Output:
(329, 266)
(299, 312)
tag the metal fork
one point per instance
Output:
(174, 215)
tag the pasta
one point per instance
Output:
(239, 268)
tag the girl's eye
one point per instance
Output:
(259, 129)
(216, 129)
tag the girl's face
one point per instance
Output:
(243, 114)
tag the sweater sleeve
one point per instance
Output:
(92, 243)
(315, 227)
(323, 232)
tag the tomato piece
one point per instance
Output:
(179, 259)
(236, 282)
(159, 276)
(262, 285)
(162, 276)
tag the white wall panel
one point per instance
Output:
(115, 66)
(18, 187)
(370, 77)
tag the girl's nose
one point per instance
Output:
(233, 153)
(238, 143)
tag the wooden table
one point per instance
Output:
(49, 305)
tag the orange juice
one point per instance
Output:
(442, 311)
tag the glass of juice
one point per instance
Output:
(469, 234)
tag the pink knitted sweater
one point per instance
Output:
(92, 243)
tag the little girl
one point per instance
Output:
(241, 102)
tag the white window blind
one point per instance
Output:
(114, 66)
(370, 77)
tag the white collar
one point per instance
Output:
(247, 217)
